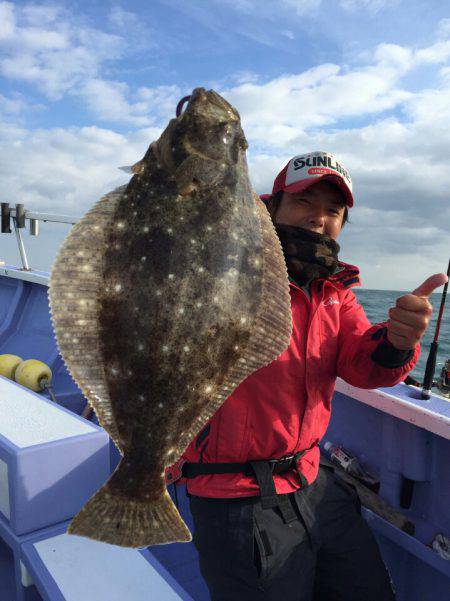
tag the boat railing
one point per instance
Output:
(19, 215)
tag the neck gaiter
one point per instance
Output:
(308, 255)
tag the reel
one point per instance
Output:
(443, 382)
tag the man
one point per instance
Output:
(297, 533)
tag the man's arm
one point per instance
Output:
(366, 358)
(383, 354)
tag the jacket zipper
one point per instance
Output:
(312, 316)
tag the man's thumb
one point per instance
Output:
(430, 284)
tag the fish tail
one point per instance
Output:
(112, 517)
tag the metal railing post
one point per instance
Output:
(23, 254)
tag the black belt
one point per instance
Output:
(276, 466)
(262, 470)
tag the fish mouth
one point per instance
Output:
(212, 103)
(205, 144)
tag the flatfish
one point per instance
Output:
(165, 296)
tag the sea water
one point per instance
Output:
(377, 303)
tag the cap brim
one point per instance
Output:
(334, 179)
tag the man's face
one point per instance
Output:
(320, 209)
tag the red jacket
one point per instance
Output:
(285, 407)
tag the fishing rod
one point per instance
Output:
(431, 361)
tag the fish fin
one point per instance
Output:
(74, 289)
(138, 167)
(271, 329)
(114, 518)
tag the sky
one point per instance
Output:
(85, 88)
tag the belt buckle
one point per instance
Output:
(285, 463)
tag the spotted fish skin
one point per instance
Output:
(188, 296)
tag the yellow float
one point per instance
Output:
(8, 365)
(33, 374)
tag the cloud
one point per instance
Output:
(12, 106)
(393, 56)
(252, 20)
(437, 53)
(113, 101)
(138, 35)
(41, 14)
(46, 47)
(7, 20)
(443, 29)
(391, 135)
(66, 170)
(241, 77)
(372, 6)
(52, 50)
(122, 18)
(302, 7)
(107, 101)
(320, 97)
(408, 250)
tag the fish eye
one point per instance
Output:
(243, 143)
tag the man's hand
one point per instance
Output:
(409, 319)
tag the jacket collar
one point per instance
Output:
(345, 276)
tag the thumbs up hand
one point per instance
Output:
(409, 319)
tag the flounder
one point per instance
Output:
(165, 296)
